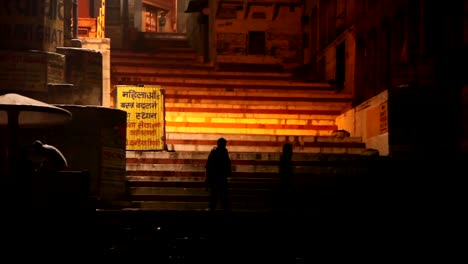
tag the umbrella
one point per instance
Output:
(20, 111)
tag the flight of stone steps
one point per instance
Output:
(255, 110)
(175, 180)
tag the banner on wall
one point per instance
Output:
(145, 115)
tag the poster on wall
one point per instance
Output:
(145, 115)
(379, 117)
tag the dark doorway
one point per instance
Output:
(340, 65)
(256, 42)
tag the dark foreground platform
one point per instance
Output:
(217, 237)
(203, 237)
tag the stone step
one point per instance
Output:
(186, 191)
(127, 54)
(168, 191)
(148, 58)
(201, 197)
(193, 146)
(230, 109)
(315, 109)
(196, 83)
(192, 179)
(266, 102)
(173, 202)
(182, 128)
(315, 92)
(164, 35)
(154, 66)
(169, 206)
(148, 71)
(252, 67)
(263, 140)
(153, 40)
(159, 186)
(221, 83)
(164, 48)
(264, 118)
(150, 44)
(144, 75)
(188, 179)
(303, 144)
(187, 170)
(175, 180)
(255, 100)
(191, 173)
(300, 170)
(266, 144)
(193, 206)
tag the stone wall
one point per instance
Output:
(193, 32)
(29, 72)
(93, 141)
(103, 46)
(328, 55)
(84, 71)
(25, 26)
(369, 121)
(277, 29)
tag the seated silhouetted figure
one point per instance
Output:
(51, 159)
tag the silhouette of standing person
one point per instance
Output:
(286, 174)
(51, 159)
(162, 21)
(218, 169)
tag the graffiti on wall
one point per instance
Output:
(227, 11)
(285, 46)
(32, 24)
(30, 70)
(231, 43)
(145, 116)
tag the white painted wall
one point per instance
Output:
(363, 120)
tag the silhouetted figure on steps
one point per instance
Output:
(162, 21)
(286, 173)
(218, 169)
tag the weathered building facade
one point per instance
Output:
(43, 60)
(399, 56)
(389, 72)
(124, 19)
(258, 32)
(383, 53)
